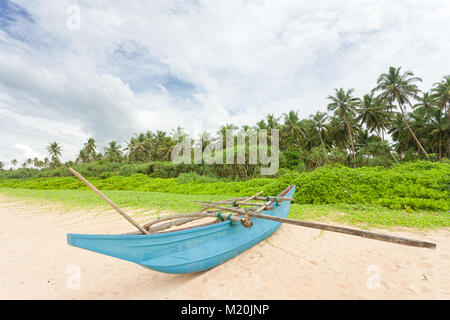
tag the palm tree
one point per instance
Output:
(441, 92)
(222, 133)
(2, 165)
(203, 140)
(14, 162)
(319, 120)
(54, 151)
(46, 162)
(373, 113)
(272, 121)
(139, 148)
(343, 105)
(82, 157)
(178, 133)
(261, 124)
(113, 152)
(439, 129)
(400, 88)
(400, 134)
(292, 127)
(89, 150)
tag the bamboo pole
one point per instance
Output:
(177, 222)
(253, 196)
(279, 199)
(172, 217)
(112, 204)
(244, 199)
(236, 203)
(225, 215)
(354, 232)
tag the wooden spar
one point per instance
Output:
(112, 204)
(173, 223)
(264, 206)
(237, 203)
(354, 232)
(242, 202)
(252, 197)
(172, 217)
(192, 215)
(279, 199)
(244, 199)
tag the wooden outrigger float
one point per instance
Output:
(240, 224)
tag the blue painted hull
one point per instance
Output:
(184, 251)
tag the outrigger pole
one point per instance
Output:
(112, 204)
(350, 231)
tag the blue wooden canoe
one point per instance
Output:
(188, 250)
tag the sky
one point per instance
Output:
(70, 70)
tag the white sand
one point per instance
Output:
(295, 263)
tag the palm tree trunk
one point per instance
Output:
(351, 140)
(410, 130)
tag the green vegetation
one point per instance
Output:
(340, 161)
(353, 134)
(155, 202)
(419, 185)
(72, 199)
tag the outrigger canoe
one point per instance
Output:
(187, 250)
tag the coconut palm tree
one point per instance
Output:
(89, 152)
(291, 127)
(400, 134)
(272, 121)
(438, 129)
(441, 92)
(373, 113)
(261, 124)
(400, 88)
(203, 140)
(54, 151)
(83, 157)
(222, 133)
(14, 162)
(139, 148)
(113, 152)
(343, 104)
(2, 165)
(46, 162)
(320, 122)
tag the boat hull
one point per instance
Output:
(185, 251)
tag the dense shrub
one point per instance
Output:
(419, 185)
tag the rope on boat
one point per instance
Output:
(219, 216)
(231, 221)
(246, 222)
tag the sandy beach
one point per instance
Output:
(295, 263)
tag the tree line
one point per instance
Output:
(355, 131)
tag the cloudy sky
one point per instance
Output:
(70, 70)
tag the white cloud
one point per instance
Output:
(26, 151)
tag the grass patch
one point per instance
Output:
(357, 215)
(371, 217)
(74, 199)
